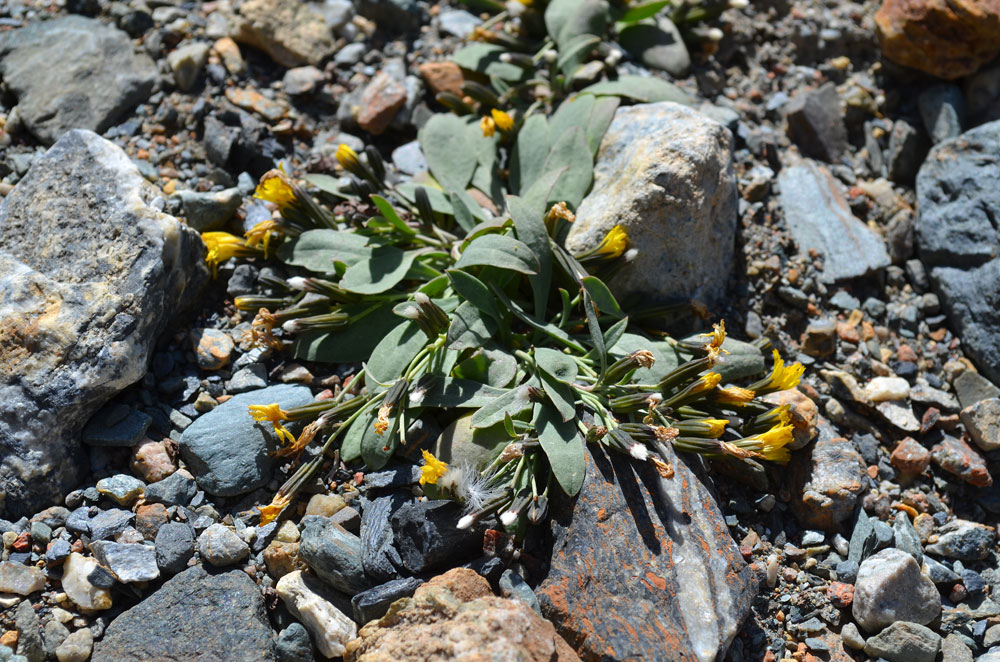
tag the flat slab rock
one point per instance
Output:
(193, 616)
(644, 568)
(90, 274)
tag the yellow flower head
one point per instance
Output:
(503, 121)
(773, 443)
(432, 470)
(716, 426)
(614, 243)
(734, 395)
(223, 246)
(260, 234)
(717, 337)
(347, 158)
(275, 415)
(276, 187)
(488, 127)
(783, 413)
(708, 381)
(785, 377)
(271, 511)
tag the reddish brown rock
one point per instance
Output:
(153, 461)
(910, 457)
(644, 567)
(841, 595)
(827, 480)
(959, 458)
(149, 519)
(382, 99)
(442, 77)
(456, 616)
(945, 38)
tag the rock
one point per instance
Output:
(76, 647)
(827, 480)
(294, 644)
(805, 414)
(851, 637)
(77, 586)
(302, 80)
(325, 505)
(20, 579)
(221, 547)
(442, 77)
(664, 173)
(942, 108)
(965, 540)
(152, 461)
(880, 389)
(381, 99)
(330, 627)
(121, 262)
(149, 518)
(904, 642)
(427, 538)
(907, 148)
(336, 13)
(819, 219)
(209, 210)
(177, 489)
(954, 649)
(99, 77)
(129, 562)
(125, 431)
(378, 555)
(905, 537)
(121, 488)
(947, 40)
(228, 452)
(229, 52)
(109, 523)
(374, 603)
(333, 554)
(194, 615)
(956, 204)
(633, 572)
(910, 457)
(212, 347)
(402, 14)
(29, 640)
(816, 123)
(938, 572)
(282, 558)
(982, 420)
(891, 588)
(513, 586)
(290, 31)
(450, 617)
(187, 62)
(966, 297)
(658, 45)
(958, 458)
(458, 22)
(899, 414)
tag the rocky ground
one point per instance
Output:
(866, 248)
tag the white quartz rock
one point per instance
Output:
(330, 627)
(78, 588)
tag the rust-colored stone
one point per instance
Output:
(22, 543)
(442, 77)
(959, 458)
(910, 457)
(840, 594)
(945, 38)
(381, 100)
(149, 518)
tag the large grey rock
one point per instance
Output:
(970, 298)
(193, 616)
(818, 217)
(664, 172)
(333, 553)
(228, 452)
(890, 588)
(958, 205)
(904, 642)
(89, 276)
(642, 565)
(73, 73)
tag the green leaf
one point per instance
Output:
(666, 358)
(557, 364)
(498, 250)
(566, 19)
(643, 11)
(350, 448)
(376, 449)
(475, 292)
(529, 153)
(327, 184)
(395, 351)
(596, 337)
(540, 192)
(470, 203)
(641, 88)
(563, 446)
(549, 329)
(454, 392)
(572, 113)
(571, 153)
(560, 394)
(353, 344)
(469, 328)
(383, 271)
(485, 58)
(449, 145)
(316, 250)
(573, 53)
(462, 214)
(600, 119)
(602, 296)
(531, 230)
(615, 332)
(437, 197)
(512, 402)
(391, 215)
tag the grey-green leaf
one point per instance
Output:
(566, 19)
(454, 392)
(563, 446)
(530, 150)
(383, 271)
(512, 402)
(450, 147)
(531, 230)
(572, 153)
(395, 351)
(641, 88)
(501, 251)
(557, 364)
(316, 250)
(469, 328)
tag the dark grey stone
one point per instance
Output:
(847, 571)
(177, 489)
(862, 543)
(109, 523)
(174, 546)
(129, 431)
(29, 641)
(906, 537)
(907, 148)
(513, 586)
(402, 475)
(333, 553)
(938, 572)
(378, 554)
(57, 552)
(130, 562)
(209, 210)
(971, 387)
(374, 603)
(227, 451)
(971, 299)
(194, 615)
(294, 645)
(818, 217)
(427, 538)
(106, 283)
(816, 124)
(402, 14)
(99, 76)
(251, 378)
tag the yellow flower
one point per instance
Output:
(275, 415)
(718, 336)
(275, 187)
(223, 246)
(260, 234)
(785, 377)
(271, 511)
(773, 443)
(432, 470)
(734, 395)
(347, 158)
(503, 121)
(614, 243)
(709, 381)
(488, 126)
(716, 426)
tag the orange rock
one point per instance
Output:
(442, 77)
(381, 100)
(149, 518)
(9, 639)
(945, 38)
(910, 457)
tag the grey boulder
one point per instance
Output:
(890, 588)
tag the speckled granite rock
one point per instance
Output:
(89, 276)
(827, 480)
(291, 32)
(99, 75)
(665, 173)
(635, 573)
